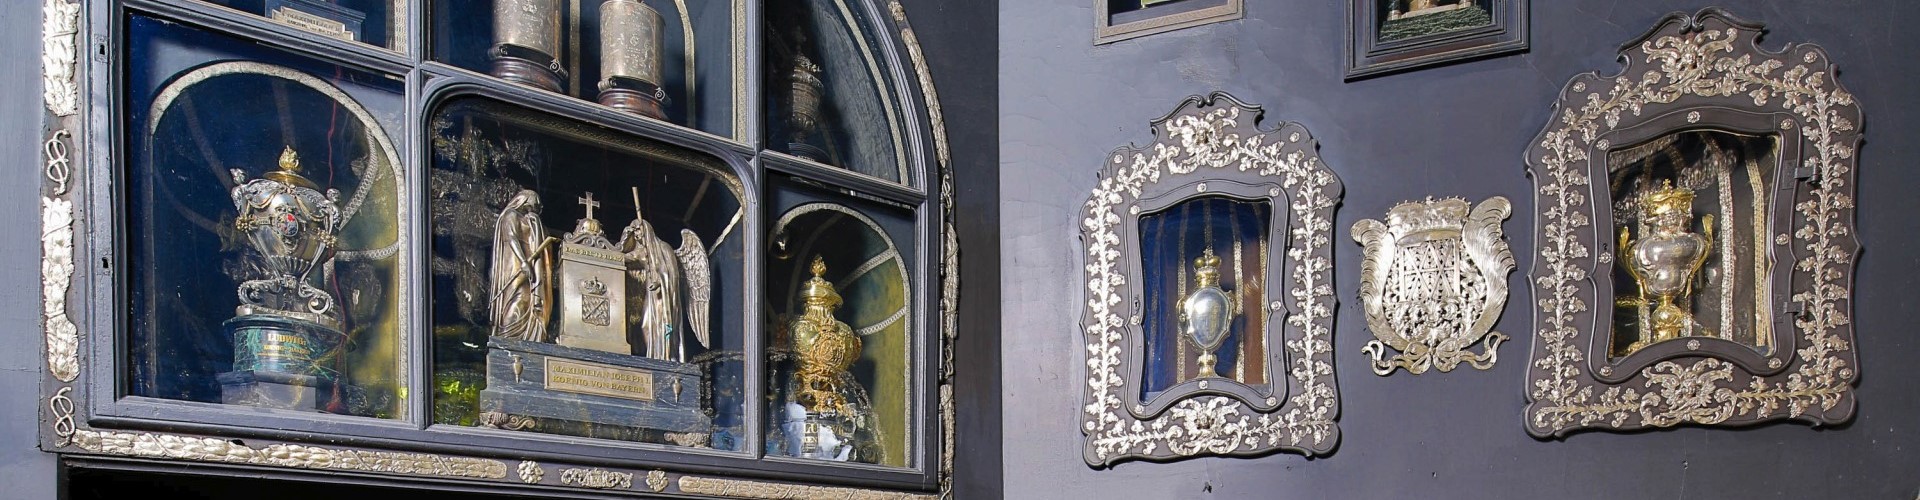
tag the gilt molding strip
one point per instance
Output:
(1707, 62)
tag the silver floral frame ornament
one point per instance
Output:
(1692, 73)
(1210, 146)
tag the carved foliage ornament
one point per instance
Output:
(1433, 283)
(1213, 139)
(1699, 72)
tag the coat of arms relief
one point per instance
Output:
(1433, 283)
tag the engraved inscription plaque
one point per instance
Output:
(598, 380)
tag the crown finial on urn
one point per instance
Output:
(1206, 269)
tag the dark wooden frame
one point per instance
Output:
(1367, 56)
(1703, 71)
(1106, 31)
(1219, 150)
(92, 405)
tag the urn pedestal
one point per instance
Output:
(281, 362)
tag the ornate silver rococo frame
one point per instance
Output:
(1212, 140)
(67, 430)
(1695, 72)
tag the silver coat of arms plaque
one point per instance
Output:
(1433, 282)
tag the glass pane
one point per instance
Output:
(827, 90)
(1691, 217)
(585, 282)
(1128, 11)
(842, 329)
(668, 59)
(380, 23)
(1404, 19)
(1204, 262)
(263, 202)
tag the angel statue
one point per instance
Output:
(522, 270)
(659, 280)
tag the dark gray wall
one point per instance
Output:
(25, 472)
(958, 38)
(1455, 131)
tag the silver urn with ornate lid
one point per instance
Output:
(285, 329)
(1207, 314)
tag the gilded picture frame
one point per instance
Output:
(1210, 148)
(1692, 73)
(1390, 36)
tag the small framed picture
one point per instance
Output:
(1116, 20)
(1388, 36)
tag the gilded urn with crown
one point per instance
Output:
(826, 347)
(1665, 262)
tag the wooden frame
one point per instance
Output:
(1105, 30)
(1369, 56)
(1212, 146)
(1697, 72)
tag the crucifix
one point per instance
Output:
(589, 203)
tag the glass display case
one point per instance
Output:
(672, 60)
(552, 315)
(553, 248)
(1691, 214)
(840, 353)
(380, 23)
(838, 110)
(278, 174)
(1205, 262)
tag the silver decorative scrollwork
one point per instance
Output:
(231, 451)
(1203, 139)
(1703, 68)
(57, 57)
(56, 278)
(1433, 283)
(596, 478)
(950, 244)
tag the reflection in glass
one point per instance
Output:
(373, 22)
(1691, 220)
(584, 297)
(840, 344)
(667, 59)
(263, 203)
(828, 97)
(1205, 266)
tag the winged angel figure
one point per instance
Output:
(1433, 282)
(659, 280)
